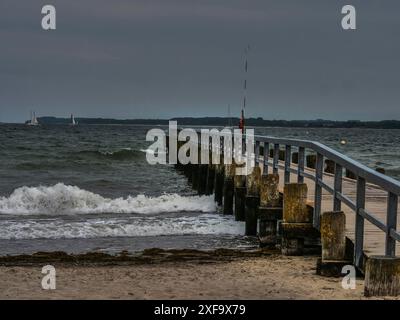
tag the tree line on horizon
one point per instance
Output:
(234, 121)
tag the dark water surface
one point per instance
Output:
(87, 188)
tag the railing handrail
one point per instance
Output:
(387, 183)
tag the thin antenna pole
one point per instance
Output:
(242, 124)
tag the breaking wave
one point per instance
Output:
(62, 199)
(204, 224)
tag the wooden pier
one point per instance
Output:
(358, 207)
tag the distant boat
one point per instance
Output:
(33, 121)
(73, 122)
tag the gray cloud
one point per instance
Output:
(165, 58)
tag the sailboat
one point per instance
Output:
(73, 122)
(33, 121)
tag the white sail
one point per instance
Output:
(73, 122)
(33, 121)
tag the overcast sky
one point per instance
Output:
(167, 58)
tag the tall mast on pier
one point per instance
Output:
(242, 117)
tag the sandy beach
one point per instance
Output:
(268, 277)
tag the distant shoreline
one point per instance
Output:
(225, 121)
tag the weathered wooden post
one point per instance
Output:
(219, 183)
(228, 188)
(329, 166)
(382, 276)
(297, 221)
(350, 174)
(295, 157)
(189, 172)
(179, 166)
(270, 210)
(311, 159)
(252, 201)
(202, 179)
(333, 241)
(210, 179)
(240, 197)
(195, 176)
(196, 172)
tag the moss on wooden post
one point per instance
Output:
(295, 203)
(333, 238)
(253, 182)
(382, 276)
(296, 218)
(270, 210)
(269, 193)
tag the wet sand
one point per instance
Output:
(264, 277)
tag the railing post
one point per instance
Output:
(257, 153)
(266, 155)
(391, 223)
(319, 167)
(288, 158)
(359, 232)
(337, 203)
(276, 158)
(300, 165)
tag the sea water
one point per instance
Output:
(90, 188)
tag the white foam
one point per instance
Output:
(64, 199)
(204, 224)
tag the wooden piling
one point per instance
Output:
(382, 276)
(210, 179)
(253, 184)
(270, 210)
(281, 155)
(240, 197)
(189, 172)
(329, 166)
(295, 157)
(333, 240)
(350, 174)
(269, 193)
(219, 183)
(295, 203)
(195, 176)
(251, 215)
(202, 179)
(297, 221)
(311, 159)
(228, 189)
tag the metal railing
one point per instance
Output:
(341, 162)
(362, 173)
